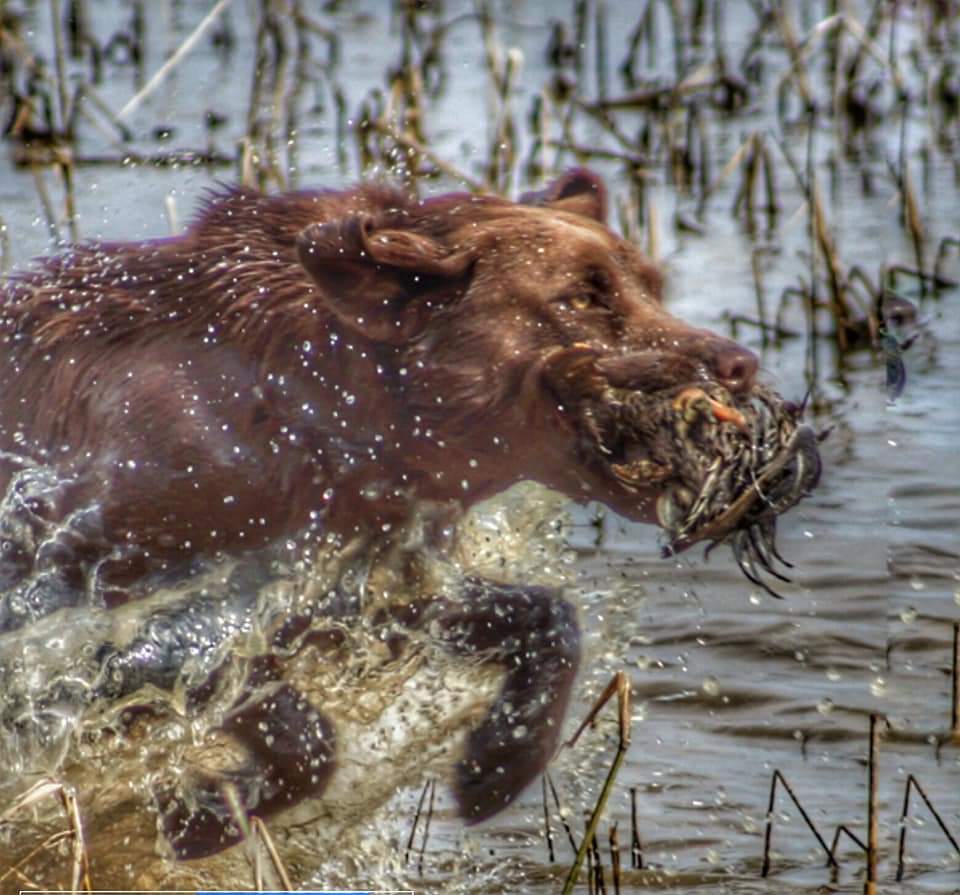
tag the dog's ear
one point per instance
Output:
(579, 191)
(383, 281)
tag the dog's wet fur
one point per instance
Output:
(321, 364)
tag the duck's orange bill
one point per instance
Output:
(727, 414)
(721, 412)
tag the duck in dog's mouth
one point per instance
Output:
(723, 466)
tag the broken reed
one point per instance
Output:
(429, 789)
(914, 784)
(619, 687)
(79, 862)
(873, 807)
(262, 839)
(614, 859)
(870, 848)
(595, 871)
(258, 843)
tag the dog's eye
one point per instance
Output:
(581, 301)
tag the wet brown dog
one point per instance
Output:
(324, 363)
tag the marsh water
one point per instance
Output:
(729, 684)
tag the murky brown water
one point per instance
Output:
(729, 684)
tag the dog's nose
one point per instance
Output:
(733, 365)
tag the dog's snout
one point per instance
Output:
(734, 366)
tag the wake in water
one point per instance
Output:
(87, 703)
